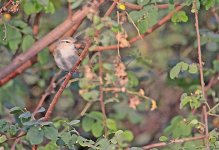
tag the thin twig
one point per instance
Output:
(162, 144)
(48, 91)
(109, 11)
(118, 39)
(133, 6)
(101, 98)
(84, 110)
(134, 25)
(201, 75)
(36, 24)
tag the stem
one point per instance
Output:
(201, 75)
(162, 144)
(101, 93)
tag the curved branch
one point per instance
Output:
(152, 29)
(162, 144)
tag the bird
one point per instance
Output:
(66, 54)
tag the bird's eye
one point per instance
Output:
(67, 42)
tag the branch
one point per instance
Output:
(67, 78)
(4, 8)
(36, 24)
(201, 75)
(101, 98)
(162, 144)
(48, 39)
(48, 91)
(139, 7)
(152, 29)
(109, 11)
(18, 71)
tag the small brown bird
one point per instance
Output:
(65, 54)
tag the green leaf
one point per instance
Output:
(174, 72)
(143, 2)
(28, 40)
(184, 101)
(49, 8)
(76, 4)
(145, 18)
(91, 95)
(3, 138)
(208, 3)
(25, 115)
(179, 17)
(216, 65)
(13, 45)
(84, 142)
(103, 144)
(29, 8)
(87, 123)
(193, 69)
(35, 135)
(3, 126)
(132, 80)
(194, 122)
(30, 123)
(143, 26)
(163, 139)
(27, 30)
(66, 136)
(111, 124)
(16, 110)
(19, 23)
(43, 57)
(96, 115)
(50, 132)
(127, 136)
(13, 129)
(135, 15)
(74, 122)
(185, 66)
(97, 129)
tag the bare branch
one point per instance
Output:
(162, 144)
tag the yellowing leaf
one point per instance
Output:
(153, 105)
(121, 6)
(141, 92)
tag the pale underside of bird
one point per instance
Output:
(65, 54)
